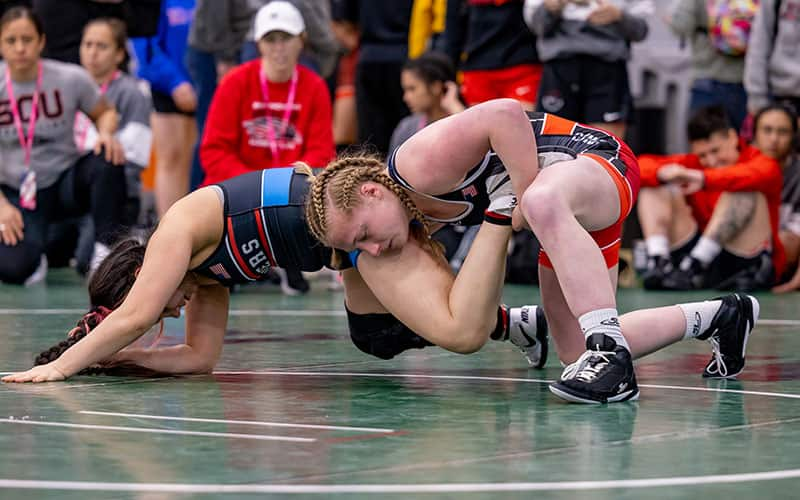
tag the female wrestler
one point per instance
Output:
(577, 185)
(233, 232)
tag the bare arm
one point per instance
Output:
(459, 142)
(456, 313)
(206, 321)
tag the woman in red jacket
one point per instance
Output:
(269, 112)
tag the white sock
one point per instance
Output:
(698, 316)
(605, 321)
(657, 245)
(99, 254)
(706, 250)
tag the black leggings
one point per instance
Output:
(91, 186)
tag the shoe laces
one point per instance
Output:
(717, 365)
(588, 366)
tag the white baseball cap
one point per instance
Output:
(278, 16)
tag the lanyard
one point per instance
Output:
(26, 143)
(287, 112)
(83, 123)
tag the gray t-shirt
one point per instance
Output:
(66, 89)
(133, 103)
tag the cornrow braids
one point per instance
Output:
(339, 183)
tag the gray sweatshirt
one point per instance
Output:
(569, 33)
(220, 27)
(772, 63)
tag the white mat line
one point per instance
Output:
(238, 422)
(400, 488)
(494, 379)
(257, 437)
(235, 312)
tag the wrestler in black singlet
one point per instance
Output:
(264, 226)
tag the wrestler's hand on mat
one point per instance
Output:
(41, 373)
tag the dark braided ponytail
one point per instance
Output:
(108, 287)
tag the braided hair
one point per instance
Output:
(337, 187)
(108, 287)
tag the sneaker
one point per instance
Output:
(527, 329)
(39, 274)
(690, 275)
(603, 374)
(292, 281)
(653, 275)
(728, 334)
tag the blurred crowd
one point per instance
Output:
(112, 110)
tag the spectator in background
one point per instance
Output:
(383, 49)
(430, 92)
(772, 63)
(104, 55)
(717, 70)
(215, 42)
(710, 218)
(321, 48)
(43, 176)
(775, 134)
(161, 62)
(585, 47)
(495, 50)
(271, 112)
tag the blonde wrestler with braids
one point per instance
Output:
(233, 232)
(575, 185)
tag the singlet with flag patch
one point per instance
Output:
(554, 135)
(264, 227)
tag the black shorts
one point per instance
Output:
(163, 103)
(585, 89)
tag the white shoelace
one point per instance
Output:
(717, 365)
(581, 369)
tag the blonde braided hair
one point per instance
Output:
(339, 183)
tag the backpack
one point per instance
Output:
(729, 23)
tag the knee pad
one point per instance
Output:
(382, 335)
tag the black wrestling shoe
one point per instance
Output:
(653, 275)
(527, 330)
(603, 374)
(689, 275)
(728, 334)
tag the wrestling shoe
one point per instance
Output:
(728, 334)
(527, 329)
(603, 374)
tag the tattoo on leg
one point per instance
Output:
(737, 215)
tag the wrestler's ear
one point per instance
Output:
(370, 190)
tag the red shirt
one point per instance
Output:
(237, 140)
(753, 171)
